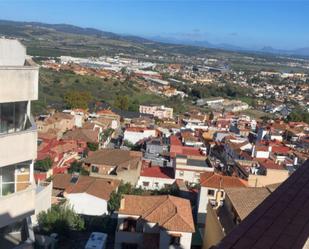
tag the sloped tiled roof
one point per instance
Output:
(245, 200)
(169, 212)
(214, 180)
(280, 221)
(111, 157)
(99, 187)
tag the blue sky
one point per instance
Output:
(247, 23)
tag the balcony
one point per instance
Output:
(19, 83)
(19, 146)
(17, 206)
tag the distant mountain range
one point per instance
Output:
(230, 47)
(31, 30)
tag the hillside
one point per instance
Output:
(62, 39)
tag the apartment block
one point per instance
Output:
(18, 145)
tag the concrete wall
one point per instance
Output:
(134, 137)
(213, 229)
(86, 204)
(17, 206)
(12, 53)
(127, 237)
(43, 199)
(185, 240)
(273, 176)
(18, 147)
(18, 83)
(204, 199)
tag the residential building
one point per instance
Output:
(212, 191)
(59, 121)
(115, 163)
(87, 195)
(18, 145)
(154, 222)
(238, 204)
(189, 168)
(160, 112)
(154, 177)
(135, 134)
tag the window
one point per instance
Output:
(181, 173)
(129, 225)
(14, 178)
(175, 240)
(156, 184)
(221, 194)
(94, 169)
(145, 184)
(13, 117)
(211, 192)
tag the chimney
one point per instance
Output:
(295, 161)
(270, 148)
(122, 203)
(253, 151)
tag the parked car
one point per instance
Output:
(96, 241)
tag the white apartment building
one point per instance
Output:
(189, 168)
(157, 111)
(18, 146)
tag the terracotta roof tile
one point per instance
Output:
(221, 181)
(99, 187)
(170, 212)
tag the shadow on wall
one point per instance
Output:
(13, 234)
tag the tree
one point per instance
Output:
(92, 146)
(123, 189)
(43, 165)
(60, 219)
(77, 99)
(121, 102)
(77, 167)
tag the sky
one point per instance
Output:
(252, 24)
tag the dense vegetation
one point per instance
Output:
(43, 165)
(64, 89)
(60, 219)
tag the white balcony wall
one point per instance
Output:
(17, 206)
(18, 83)
(18, 147)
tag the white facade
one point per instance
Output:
(135, 136)
(136, 237)
(207, 195)
(86, 204)
(154, 183)
(189, 173)
(157, 111)
(18, 140)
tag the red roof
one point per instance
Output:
(269, 164)
(158, 172)
(175, 141)
(178, 149)
(214, 180)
